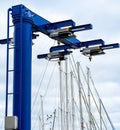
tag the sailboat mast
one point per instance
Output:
(66, 84)
(72, 101)
(61, 102)
(89, 101)
(42, 114)
(54, 120)
(61, 97)
(100, 115)
(80, 96)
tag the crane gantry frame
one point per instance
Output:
(26, 23)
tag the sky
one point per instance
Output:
(104, 15)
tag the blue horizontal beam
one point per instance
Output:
(42, 56)
(91, 43)
(87, 44)
(98, 50)
(110, 46)
(59, 48)
(81, 28)
(60, 24)
(71, 41)
(40, 24)
(77, 45)
(69, 27)
(4, 41)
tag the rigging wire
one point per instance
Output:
(39, 86)
(84, 97)
(102, 103)
(97, 108)
(103, 107)
(48, 85)
(37, 93)
(92, 96)
(73, 67)
(79, 112)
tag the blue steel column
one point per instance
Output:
(22, 67)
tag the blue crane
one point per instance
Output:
(26, 23)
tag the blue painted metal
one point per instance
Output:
(7, 62)
(78, 45)
(42, 56)
(60, 24)
(59, 48)
(22, 67)
(4, 41)
(81, 28)
(71, 41)
(69, 28)
(91, 43)
(98, 50)
(110, 46)
(26, 23)
(44, 26)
